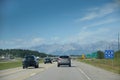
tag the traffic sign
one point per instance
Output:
(109, 54)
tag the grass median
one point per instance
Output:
(107, 64)
(12, 64)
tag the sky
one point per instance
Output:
(27, 23)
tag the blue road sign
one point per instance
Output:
(109, 54)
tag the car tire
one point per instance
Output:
(58, 65)
(36, 66)
(69, 65)
(23, 67)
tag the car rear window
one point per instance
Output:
(64, 56)
(47, 59)
(29, 58)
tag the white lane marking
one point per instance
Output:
(84, 73)
(9, 72)
(32, 74)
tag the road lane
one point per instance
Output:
(60, 73)
(96, 73)
(78, 71)
(10, 71)
(21, 74)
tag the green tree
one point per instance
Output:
(100, 55)
(117, 54)
(21, 53)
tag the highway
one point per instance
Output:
(78, 71)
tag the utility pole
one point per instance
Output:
(118, 43)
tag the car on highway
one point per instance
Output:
(64, 60)
(54, 59)
(47, 60)
(30, 60)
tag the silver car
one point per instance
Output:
(64, 60)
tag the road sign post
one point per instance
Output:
(109, 54)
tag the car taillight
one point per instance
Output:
(59, 59)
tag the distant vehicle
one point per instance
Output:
(64, 60)
(54, 59)
(30, 60)
(47, 60)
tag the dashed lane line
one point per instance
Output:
(33, 74)
(84, 74)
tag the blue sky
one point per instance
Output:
(26, 23)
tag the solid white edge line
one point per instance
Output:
(84, 73)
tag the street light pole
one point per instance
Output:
(118, 43)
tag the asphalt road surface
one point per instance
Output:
(78, 71)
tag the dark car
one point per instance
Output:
(64, 60)
(30, 60)
(47, 60)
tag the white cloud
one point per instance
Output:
(90, 36)
(89, 16)
(98, 23)
(21, 43)
(99, 26)
(36, 41)
(100, 11)
(55, 39)
(92, 33)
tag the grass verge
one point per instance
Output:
(12, 64)
(107, 64)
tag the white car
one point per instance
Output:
(64, 60)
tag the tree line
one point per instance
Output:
(21, 53)
(101, 54)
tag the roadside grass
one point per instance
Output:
(12, 64)
(107, 64)
(41, 61)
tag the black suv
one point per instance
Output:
(47, 60)
(30, 60)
